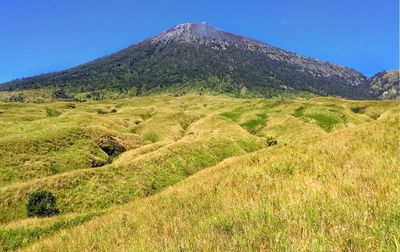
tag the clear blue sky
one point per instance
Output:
(38, 36)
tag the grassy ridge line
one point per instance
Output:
(140, 153)
(28, 158)
(337, 194)
(52, 146)
(36, 145)
(103, 187)
(12, 238)
(135, 155)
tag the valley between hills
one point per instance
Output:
(202, 172)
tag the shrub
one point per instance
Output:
(271, 141)
(102, 112)
(17, 98)
(52, 112)
(60, 94)
(42, 204)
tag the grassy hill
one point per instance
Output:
(200, 172)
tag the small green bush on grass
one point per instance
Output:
(42, 204)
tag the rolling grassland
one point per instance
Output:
(202, 173)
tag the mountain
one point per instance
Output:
(386, 84)
(200, 56)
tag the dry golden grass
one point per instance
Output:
(199, 176)
(338, 194)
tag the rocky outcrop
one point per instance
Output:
(386, 85)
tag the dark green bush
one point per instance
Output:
(42, 204)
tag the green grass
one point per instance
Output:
(197, 174)
(151, 137)
(253, 125)
(53, 112)
(12, 238)
(325, 121)
(299, 112)
(231, 115)
(326, 117)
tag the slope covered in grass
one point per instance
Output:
(339, 194)
(248, 195)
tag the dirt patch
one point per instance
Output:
(359, 110)
(96, 161)
(110, 145)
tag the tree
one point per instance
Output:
(60, 94)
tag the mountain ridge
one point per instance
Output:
(204, 33)
(197, 53)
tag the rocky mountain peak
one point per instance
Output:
(201, 33)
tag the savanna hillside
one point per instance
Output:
(202, 173)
